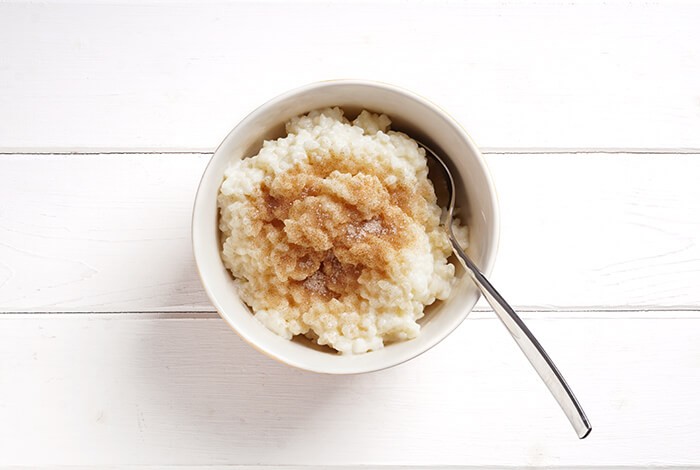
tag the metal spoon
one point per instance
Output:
(521, 334)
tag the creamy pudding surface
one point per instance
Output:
(332, 232)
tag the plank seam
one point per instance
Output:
(474, 316)
(475, 310)
(485, 150)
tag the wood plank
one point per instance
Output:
(98, 232)
(124, 390)
(111, 232)
(179, 75)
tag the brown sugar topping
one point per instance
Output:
(324, 224)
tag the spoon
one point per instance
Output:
(521, 334)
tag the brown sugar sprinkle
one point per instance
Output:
(316, 283)
(325, 223)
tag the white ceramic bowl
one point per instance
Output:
(409, 113)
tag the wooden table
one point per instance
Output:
(110, 353)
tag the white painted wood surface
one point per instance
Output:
(589, 112)
(112, 232)
(102, 389)
(516, 74)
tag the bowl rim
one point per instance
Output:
(265, 108)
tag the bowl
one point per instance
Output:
(410, 113)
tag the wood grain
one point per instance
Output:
(124, 390)
(579, 232)
(180, 75)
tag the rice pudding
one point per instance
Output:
(333, 232)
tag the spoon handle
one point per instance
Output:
(530, 347)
